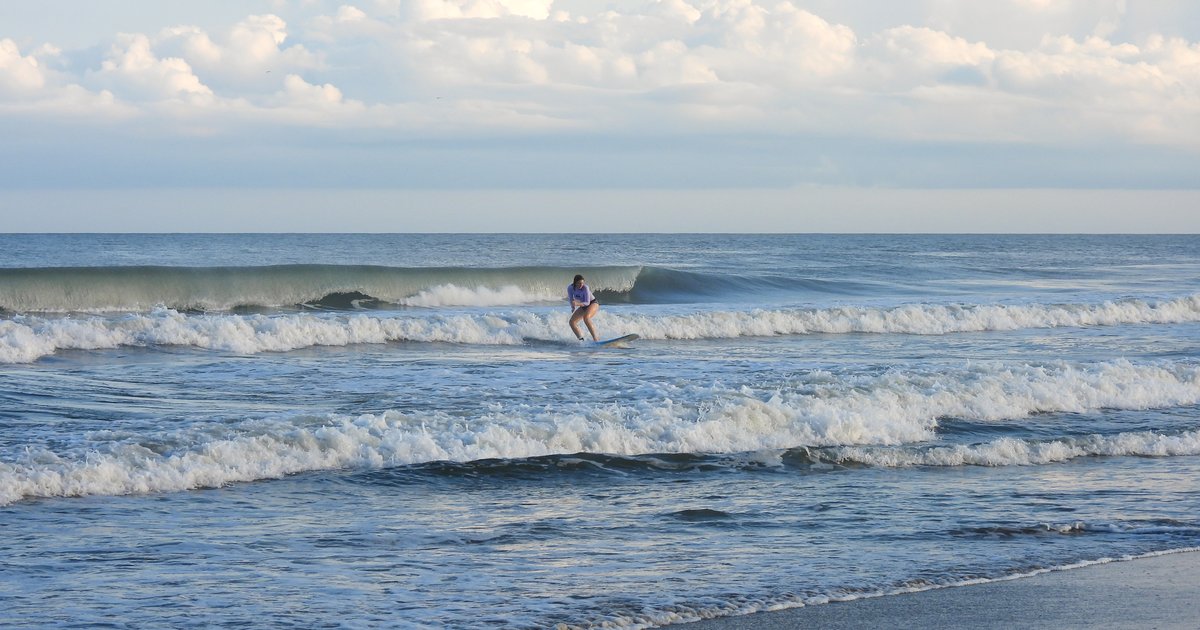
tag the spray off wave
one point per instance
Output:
(27, 338)
(881, 420)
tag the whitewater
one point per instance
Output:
(894, 409)
(401, 431)
(28, 338)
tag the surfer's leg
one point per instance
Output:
(588, 312)
(575, 317)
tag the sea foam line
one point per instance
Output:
(887, 410)
(27, 338)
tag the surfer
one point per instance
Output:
(583, 306)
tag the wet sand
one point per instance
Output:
(1156, 592)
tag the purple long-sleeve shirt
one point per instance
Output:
(582, 295)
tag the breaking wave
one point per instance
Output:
(25, 338)
(141, 289)
(1012, 451)
(884, 420)
(347, 287)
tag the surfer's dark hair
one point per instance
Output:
(578, 277)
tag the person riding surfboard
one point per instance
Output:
(583, 306)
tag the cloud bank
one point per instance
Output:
(1065, 76)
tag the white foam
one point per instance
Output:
(916, 319)
(847, 413)
(1016, 452)
(452, 295)
(27, 338)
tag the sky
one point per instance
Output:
(594, 116)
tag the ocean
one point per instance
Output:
(361, 431)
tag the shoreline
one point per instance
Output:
(1152, 591)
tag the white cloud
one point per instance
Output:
(348, 23)
(469, 9)
(670, 44)
(29, 86)
(1021, 23)
(18, 74)
(677, 9)
(131, 68)
(924, 47)
(456, 67)
(673, 63)
(242, 57)
(907, 58)
(299, 93)
(258, 41)
(161, 77)
(190, 42)
(1094, 71)
(1176, 57)
(776, 43)
(348, 13)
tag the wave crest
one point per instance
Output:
(141, 289)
